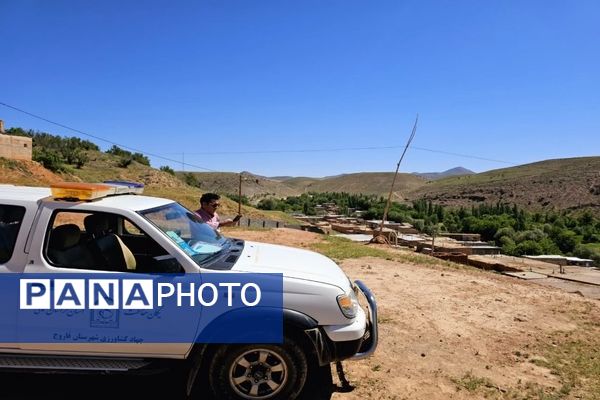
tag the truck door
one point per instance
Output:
(79, 240)
(12, 260)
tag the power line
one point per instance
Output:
(241, 152)
(100, 138)
(463, 155)
(336, 149)
(324, 150)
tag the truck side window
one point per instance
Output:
(10, 222)
(100, 241)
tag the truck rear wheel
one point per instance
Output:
(258, 371)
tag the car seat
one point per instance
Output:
(10, 222)
(65, 250)
(115, 255)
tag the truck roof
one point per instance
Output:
(24, 193)
(27, 194)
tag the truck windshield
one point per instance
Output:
(197, 239)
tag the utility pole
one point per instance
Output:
(240, 198)
(387, 205)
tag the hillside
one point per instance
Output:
(254, 187)
(378, 183)
(564, 184)
(102, 166)
(561, 184)
(28, 173)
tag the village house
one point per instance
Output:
(14, 147)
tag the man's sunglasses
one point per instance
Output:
(214, 205)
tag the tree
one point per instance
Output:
(507, 231)
(508, 245)
(266, 204)
(566, 241)
(433, 229)
(528, 247)
(586, 219)
(588, 252)
(80, 158)
(50, 159)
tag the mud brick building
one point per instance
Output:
(14, 147)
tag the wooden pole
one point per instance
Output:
(240, 198)
(387, 205)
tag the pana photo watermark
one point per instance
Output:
(142, 308)
(129, 294)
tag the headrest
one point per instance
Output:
(64, 236)
(96, 224)
(11, 214)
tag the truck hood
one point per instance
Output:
(292, 263)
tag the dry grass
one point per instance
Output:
(563, 184)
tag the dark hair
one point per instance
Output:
(208, 197)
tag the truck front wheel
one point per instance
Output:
(258, 371)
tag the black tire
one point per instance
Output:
(258, 371)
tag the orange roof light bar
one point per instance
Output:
(80, 191)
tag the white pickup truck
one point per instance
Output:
(77, 228)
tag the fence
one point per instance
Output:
(262, 223)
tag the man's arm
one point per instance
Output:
(230, 221)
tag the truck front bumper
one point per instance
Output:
(354, 348)
(371, 337)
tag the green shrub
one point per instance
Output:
(167, 169)
(53, 151)
(236, 198)
(528, 247)
(50, 159)
(142, 159)
(191, 179)
(124, 162)
(117, 151)
(78, 157)
(590, 251)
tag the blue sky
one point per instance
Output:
(243, 85)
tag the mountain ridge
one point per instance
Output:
(456, 171)
(569, 184)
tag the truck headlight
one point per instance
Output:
(348, 304)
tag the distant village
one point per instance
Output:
(464, 248)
